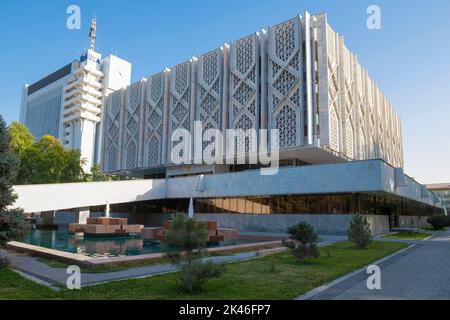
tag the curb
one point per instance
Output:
(38, 280)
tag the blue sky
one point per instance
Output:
(409, 57)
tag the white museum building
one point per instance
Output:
(340, 140)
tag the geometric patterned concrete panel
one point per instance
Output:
(132, 125)
(244, 106)
(356, 120)
(112, 127)
(259, 81)
(181, 100)
(210, 92)
(153, 123)
(285, 82)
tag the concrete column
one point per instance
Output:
(225, 94)
(261, 50)
(81, 215)
(193, 104)
(309, 81)
(121, 129)
(323, 107)
(143, 95)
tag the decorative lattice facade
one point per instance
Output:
(298, 77)
(180, 103)
(285, 82)
(112, 125)
(244, 110)
(355, 119)
(131, 129)
(333, 90)
(210, 92)
(153, 125)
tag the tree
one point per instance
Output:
(185, 245)
(13, 225)
(47, 161)
(12, 221)
(21, 138)
(8, 168)
(359, 231)
(98, 175)
(303, 241)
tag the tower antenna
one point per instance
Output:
(92, 34)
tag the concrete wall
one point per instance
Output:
(330, 224)
(63, 196)
(350, 177)
(413, 221)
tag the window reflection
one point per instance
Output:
(365, 203)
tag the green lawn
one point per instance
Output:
(14, 286)
(278, 276)
(410, 235)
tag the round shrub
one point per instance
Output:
(439, 222)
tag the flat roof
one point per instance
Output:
(55, 76)
(438, 186)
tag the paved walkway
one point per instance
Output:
(420, 272)
(38, 270)
(55, 277)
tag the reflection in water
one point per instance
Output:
(101, 246)
(92, 246)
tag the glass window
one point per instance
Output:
(265, 205)
(240, 205)
(274, 205)
(257, 207)
(218, 204)
(226, 205)
(233, 205)
(248, 205)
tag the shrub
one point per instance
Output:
(4, 262)
(194, 275)
(13, 225)
(185, 245)
(439, 222)
(359, 231)
(303, 241)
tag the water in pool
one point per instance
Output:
(102, 246)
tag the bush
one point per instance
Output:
(185, 245)
(439, 222)
(13, 225)
(359, 231)
(193, 276)
(4, 262)
(303, 241)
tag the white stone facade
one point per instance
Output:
(297, 77)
